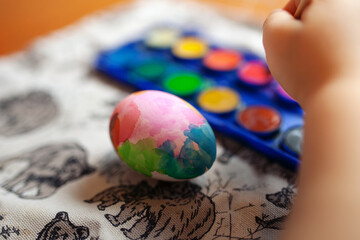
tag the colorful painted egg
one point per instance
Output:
(162, 136)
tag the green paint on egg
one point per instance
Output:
(192, 161)
(142, 156)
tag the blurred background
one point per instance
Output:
(21, 21)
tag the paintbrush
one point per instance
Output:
(300, 8)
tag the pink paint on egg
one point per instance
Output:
(163, 116)
(128, 118)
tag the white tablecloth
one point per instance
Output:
(59, 175)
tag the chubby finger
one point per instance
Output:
(291, 6)
(280, 31)
(300, 8)
(279, 26)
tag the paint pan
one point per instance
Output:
(190, 48)
(222, 60)
(219, 100)
(162, 38)
(292, 140)
(260, 120)
(151, 70)
(183, 84)
(254, 74)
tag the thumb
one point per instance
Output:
(291, 6)
(279, 27)
(280, 31)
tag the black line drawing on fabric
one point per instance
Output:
(164, 211)
(59, 59)
(227, 225)
(6, 232)
(112, 168)
(283, 198)
(263, 224)
(117, 172)
(258, 161)
(229, 215)
(24, 113)
(107, 108)
(10, 232)
(60, 228)
(230, 148)
(33, 58)
(49, 168)
(275, 223)
(222, 186)
(262, 165)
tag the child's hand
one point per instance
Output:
(316, 59)
(322, 47)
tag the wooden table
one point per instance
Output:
(21, 21)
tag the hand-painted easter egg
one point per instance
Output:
(162, 136)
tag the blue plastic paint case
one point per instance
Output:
(147, 67)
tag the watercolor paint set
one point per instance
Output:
(232, 88)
